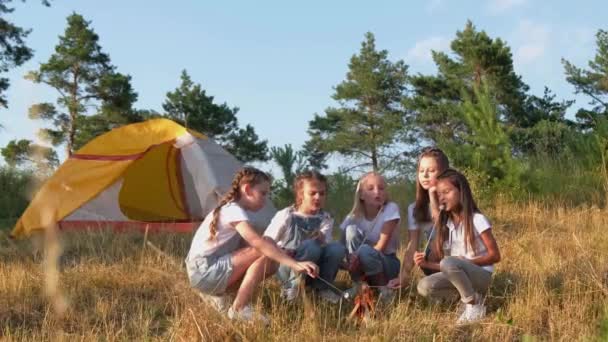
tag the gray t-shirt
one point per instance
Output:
(289, 228)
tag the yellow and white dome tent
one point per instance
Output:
(154, 174)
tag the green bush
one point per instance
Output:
(14, 186)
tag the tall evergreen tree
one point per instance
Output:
(592, 82)
(370, 118)
(551, 131)
(475, 58)
(291, 163)
(84, 78)
(190, 106)
(486, 147)
(26, 153)
(13, 50)
(315, 158)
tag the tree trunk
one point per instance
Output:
(73, 109)
(374, 149)
(375, 160)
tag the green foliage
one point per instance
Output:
(603, 327)
(481, 185)
(562, 179)
(315, 158)
(485, 147)
(592, 82)
(476, 58)
(190, 106)
(84, 78)
(24, 153)
(340, 195)
(291, 163)
(367, 125)
(14, 185)
(16, 152)
(13, 50)
(548, 131)
(546, 137)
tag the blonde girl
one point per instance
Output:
(371, 235)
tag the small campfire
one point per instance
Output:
(364, 304)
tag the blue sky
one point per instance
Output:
(278, 60)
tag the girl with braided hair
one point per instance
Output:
(217, 262)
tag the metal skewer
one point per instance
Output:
(343, 294)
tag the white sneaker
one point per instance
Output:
(289, 294)
(247, 314)
(329, 296)
(354, 290)
(472, 313)
(218, 303)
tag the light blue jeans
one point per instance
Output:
(328, 257)
(372, 261)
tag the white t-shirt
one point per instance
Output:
(457, 243)
(389, 213)
(278, 225)
(202, 246)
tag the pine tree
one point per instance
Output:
(475, 58)
(13, 50)
(592, 82)
(367, 124)
(190, 106)
(84, 78)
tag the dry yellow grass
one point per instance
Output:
(551, 285)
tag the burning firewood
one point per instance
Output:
(364, 304)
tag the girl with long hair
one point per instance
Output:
(465, 246)
(421, 213)
(371, 236)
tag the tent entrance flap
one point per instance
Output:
(152, 187)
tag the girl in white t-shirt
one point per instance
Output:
(431, 162)
(371, 236)
(465, 246)
(216, 261)
(304, 231)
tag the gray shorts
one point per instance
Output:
(211, 274)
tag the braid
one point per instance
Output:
(247, 175)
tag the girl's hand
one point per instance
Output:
(398, 282)
(394, 283)
(419, 258)
(307, 267)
